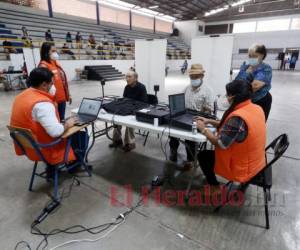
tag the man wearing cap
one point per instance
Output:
(198, 96)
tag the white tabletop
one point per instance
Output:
(130, 121)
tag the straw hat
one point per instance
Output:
(196, 69)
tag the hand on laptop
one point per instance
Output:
(70, 122)
(204, 120)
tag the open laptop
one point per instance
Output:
(180, 116)
(88, 111)
(10, 68)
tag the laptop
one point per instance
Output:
(88, 111)
(180, 116)
(10, 68)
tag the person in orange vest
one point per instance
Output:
(240, 140)
(35, 109)
(49, 57)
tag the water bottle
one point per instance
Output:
(194, 128)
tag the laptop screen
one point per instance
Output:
(177, 103)
(89, 107)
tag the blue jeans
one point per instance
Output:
(62, 110)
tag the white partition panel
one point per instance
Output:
(36, 56)
(29, 59)
(17, 61)
(215, 54)
(150, 63)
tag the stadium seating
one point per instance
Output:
(11, 22)
(103, 72)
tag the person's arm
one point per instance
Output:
(233, 129)
(206, 121)
(261, 78)
(45, 114)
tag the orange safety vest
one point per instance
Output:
(242, 161)
(60, 80)
(22, 117)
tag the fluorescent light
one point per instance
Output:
(153, 7)
(214, 11)
(240, 2)
(118, 4)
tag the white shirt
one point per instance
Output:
(44, 113)
(201, 99)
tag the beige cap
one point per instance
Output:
(196, 69)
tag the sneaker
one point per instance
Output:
(116, 144)
(129, 147)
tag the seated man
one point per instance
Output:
(198, 96)
(36, 110)
(65, 50)
(137, 91)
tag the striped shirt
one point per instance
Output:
(234, 130)
(201, 99)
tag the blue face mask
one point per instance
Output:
(253, 61)
(196, 83)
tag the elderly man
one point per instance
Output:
(133, 90)
(198, 96)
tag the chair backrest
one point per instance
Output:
(25, 139)
(279, 146)
(152, 99)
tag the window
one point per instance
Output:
(273, 25)
(75, 8)
(244, 27)
(163, 26)
(113, 15)
(295, 24)
(143, 22)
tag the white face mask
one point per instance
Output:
(253, 61)
(196, 83)
(52, 90)
(54, 56)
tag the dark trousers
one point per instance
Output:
(206, 160)
(266, 104)
(189, 147)
(62, 110)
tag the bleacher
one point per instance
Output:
(12, 20)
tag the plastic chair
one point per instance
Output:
(264, 178)
(25, 139)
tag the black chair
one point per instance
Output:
(264, 178)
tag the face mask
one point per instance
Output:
(253, 61)
(196, 83)
(52, 90)
(54, 56)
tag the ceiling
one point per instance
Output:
(195, 9)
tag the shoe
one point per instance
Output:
(173, 156)
(116, 144)
(129, 147)
(187, 166)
